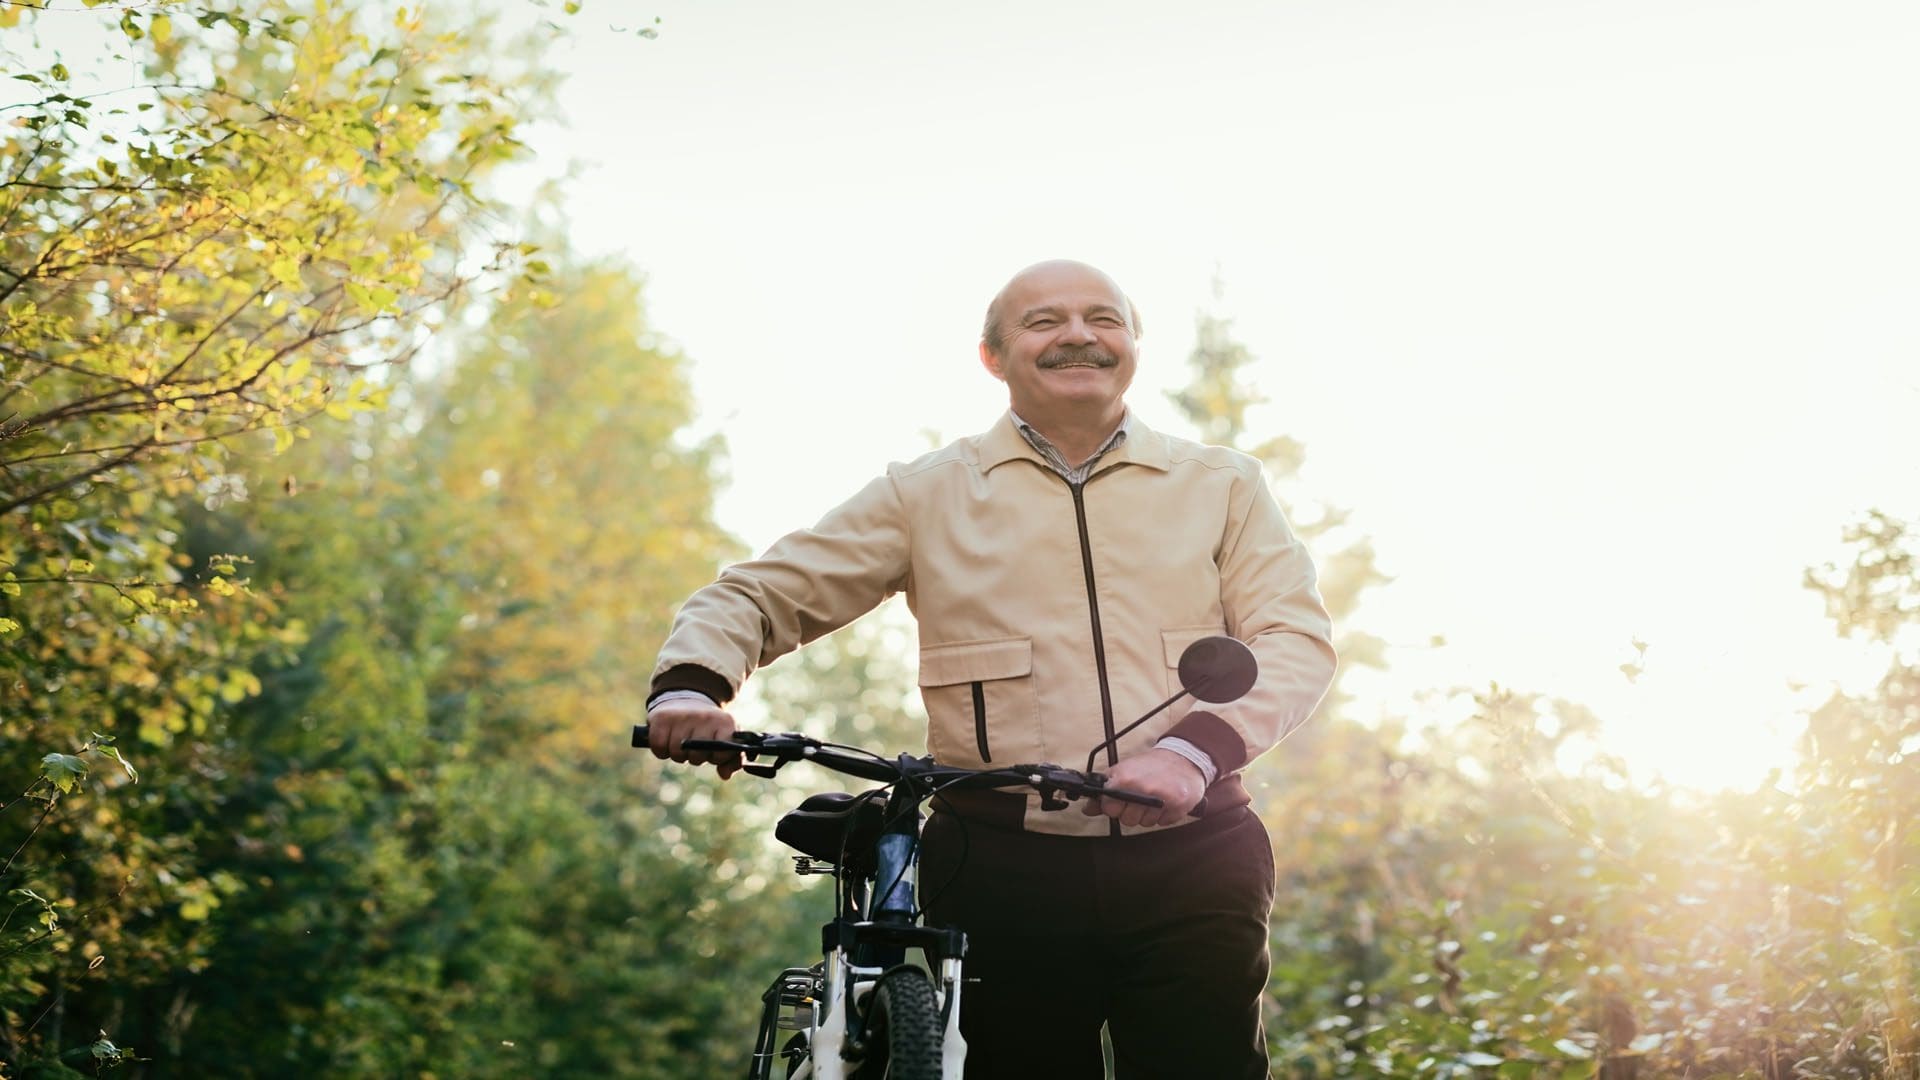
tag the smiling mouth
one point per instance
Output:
(1055, 361)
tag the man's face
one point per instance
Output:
(1067, 347)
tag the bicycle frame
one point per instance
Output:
(875, 923)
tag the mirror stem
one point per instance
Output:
(1115, 741)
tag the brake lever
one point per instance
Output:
(749, 745)
(1060, 786)
(1096, 783)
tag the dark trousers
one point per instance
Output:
(1161, 937)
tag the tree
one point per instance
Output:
(451, 860)
(191, 271)
(229, 247)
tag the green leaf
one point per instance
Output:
(64, 770)
(1572, 1049)
(110, 752)
(8, 626)
(59, 72)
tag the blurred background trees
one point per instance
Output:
(341, 508)
(1463, 900)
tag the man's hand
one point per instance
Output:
(1174, 780)
(672, 723)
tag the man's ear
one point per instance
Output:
(991, 361)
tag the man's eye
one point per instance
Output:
(1036, 324)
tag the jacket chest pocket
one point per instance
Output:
(1174, 643)
(979, 694)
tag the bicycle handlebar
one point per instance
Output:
(790, 746)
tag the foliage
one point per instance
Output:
(1454, 901)
(453, 866)
(1464, 903)
(228, 247)
(191, 270)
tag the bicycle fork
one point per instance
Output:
(846, 992)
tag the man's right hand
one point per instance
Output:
(672, 723)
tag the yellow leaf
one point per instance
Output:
(161, 28)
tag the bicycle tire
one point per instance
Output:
(904, 1032)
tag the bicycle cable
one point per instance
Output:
(840, 895)
(966, 845)
(934, 792)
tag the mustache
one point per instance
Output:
(1083, 354)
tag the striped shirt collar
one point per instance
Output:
(1072, 474)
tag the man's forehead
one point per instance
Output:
(1062, 285)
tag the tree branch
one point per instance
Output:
(71, 478)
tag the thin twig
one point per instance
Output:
(52, 801)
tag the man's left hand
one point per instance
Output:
(1174, 780)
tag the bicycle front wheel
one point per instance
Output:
(904, 1031)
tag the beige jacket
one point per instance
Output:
(1049, 616)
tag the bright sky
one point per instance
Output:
(1599, 314)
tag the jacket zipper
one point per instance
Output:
(1099, 643)
(980, 719)
(1093, 610)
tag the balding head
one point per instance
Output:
(993, 334)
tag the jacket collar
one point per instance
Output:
(1142, 446)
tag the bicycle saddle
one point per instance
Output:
(820, 826)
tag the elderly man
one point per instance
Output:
(1058, 565)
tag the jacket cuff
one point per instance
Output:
(1213, 736)
(694, 677)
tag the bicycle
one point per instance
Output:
(863, 1012)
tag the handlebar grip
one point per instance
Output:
(720, 745)
(640, 741)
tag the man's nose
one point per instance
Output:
(1080, 330)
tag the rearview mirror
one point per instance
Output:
(1218, 669)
